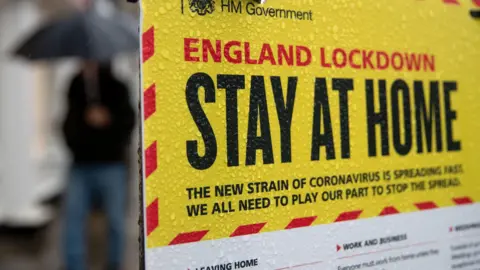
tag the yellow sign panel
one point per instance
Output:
(266, 117)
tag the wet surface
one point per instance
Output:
(40, 249)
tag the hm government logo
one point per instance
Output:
(247, 8)
(202, 7)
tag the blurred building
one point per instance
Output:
(33, 160)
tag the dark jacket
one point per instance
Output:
(92, 145)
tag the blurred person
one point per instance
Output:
(97, 132)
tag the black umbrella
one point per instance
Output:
(86, 35)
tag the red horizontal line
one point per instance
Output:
(348, 215)
(464, 236)
(301, 222)
(299, 265)
(248, 229)
(189, 237)
(426, 205)
(462, 200)
(388, 249)
(389, 210)
(454, 2)
(361, 254)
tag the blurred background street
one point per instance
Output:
(32, 249)
(34, 159)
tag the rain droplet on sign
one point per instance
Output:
(165, 54)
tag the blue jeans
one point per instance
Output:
(108, 182)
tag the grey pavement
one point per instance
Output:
(41, 249)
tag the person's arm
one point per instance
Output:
(123, 116)
(71, 123)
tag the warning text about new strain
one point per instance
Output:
(228, 198)
(402, 116)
